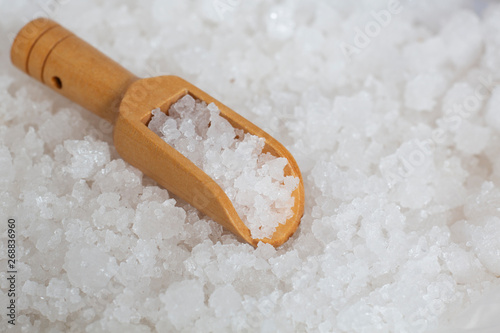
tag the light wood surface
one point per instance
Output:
(58, 58)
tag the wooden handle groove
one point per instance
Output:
(55, 56)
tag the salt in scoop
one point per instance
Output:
(53, 55)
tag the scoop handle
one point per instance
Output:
(55, 56)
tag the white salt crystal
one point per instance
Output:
(285, 264)
(225, 300)
(486, 242)
(471, 138)
(454, 101)
(30, 287)
(255, 182)
(169, 130)
(422, 91)
(279, 22)
(110, 200)
(124, 314)
(86, 157)
(117, 174)
(212, 107)
(463, 38)
(154, 219)
(492, 114)
(157, 121)
(464, 266)
(7, 171)
(57, 288)
(53, 133)
(483, 203)
(31, 144)
(183, 301)
(145, 252)
(427, 55)
(88, 267)
(265, 250)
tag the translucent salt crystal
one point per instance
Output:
(455, 98)
(110, 200)
(187, 128)
(280, 23)
(169, 130)
(255, 182)
(183, 301)
(276, 167)
(492, 114)
(157, 121)
(471, 138)
(145, 252)
(7, 171)
(57, 288)
(486, 243)
(464, 266)
(285, 264)
(463, 38)
(483, 203)
(212, 107)
(422, 91)
(31, 144)
(86, 157)
(51, 131)
(225, 300)
(124, 314)
(88, 267)
(184, 105)
(115, 176)
(30, 287)
(151, 216)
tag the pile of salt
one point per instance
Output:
(254, 181)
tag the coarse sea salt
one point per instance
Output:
(401, 226)
(254, 181)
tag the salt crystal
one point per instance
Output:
(88, 267)
(150, 220)
(87, 157)
(463, 265)
(30, 287)
(492, 115)
(57, 288)
(7, 172)
(422, 91)
(471, 138)
(183, 301)
(157, 121)
(225, 300)
(463, 37)
(486, 241)
(279, 22)
(110, 200)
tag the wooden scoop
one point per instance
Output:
(56, 57)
